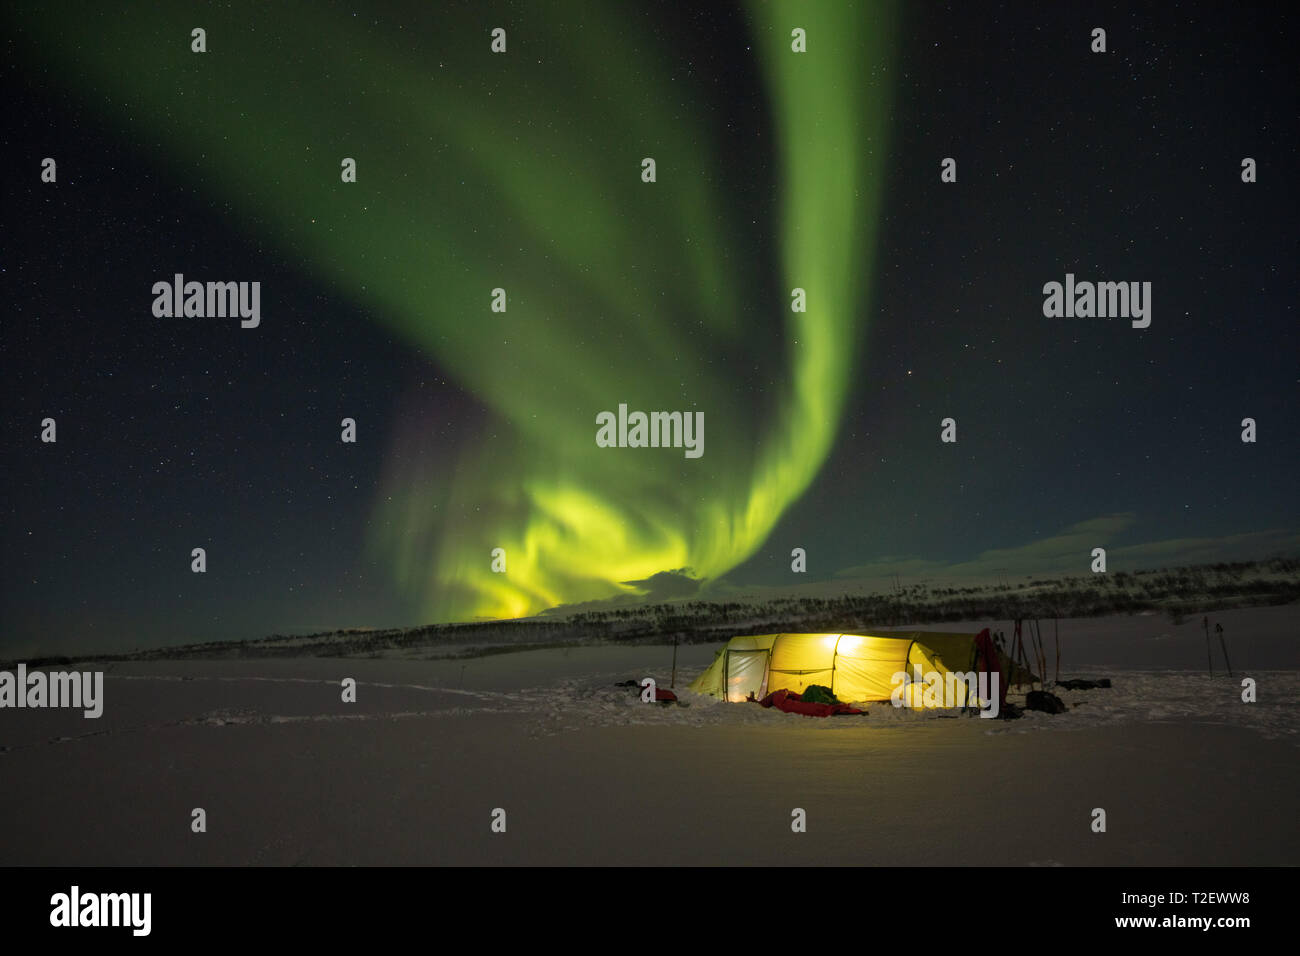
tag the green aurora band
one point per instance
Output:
(522, 171)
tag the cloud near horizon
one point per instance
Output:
(667, 584)
(1070, 552)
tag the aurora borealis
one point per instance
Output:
(521, 171)
(656, 315)
(508, 433)
(617, 290)
(577, 523)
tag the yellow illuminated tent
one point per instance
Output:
(856, 667)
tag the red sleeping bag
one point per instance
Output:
(792, 703)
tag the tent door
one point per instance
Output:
(746, 673)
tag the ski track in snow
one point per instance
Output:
(592, 700)
(1135, 696)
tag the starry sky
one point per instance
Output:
(522, 170)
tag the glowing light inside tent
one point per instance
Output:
(849, 644)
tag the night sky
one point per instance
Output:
(522, 170)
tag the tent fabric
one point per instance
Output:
(987, 659)
(965, 652)
(971, 652)
(746, 674)
(856, 667)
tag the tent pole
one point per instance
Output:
(1033, 646)
(673, 683)
(1056, 624)
(1024, 653)
(1205, 622)
(1224, 644)
(1038, 653)
(1015, 651)
(1042, 650)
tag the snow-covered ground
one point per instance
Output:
(410, 773)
